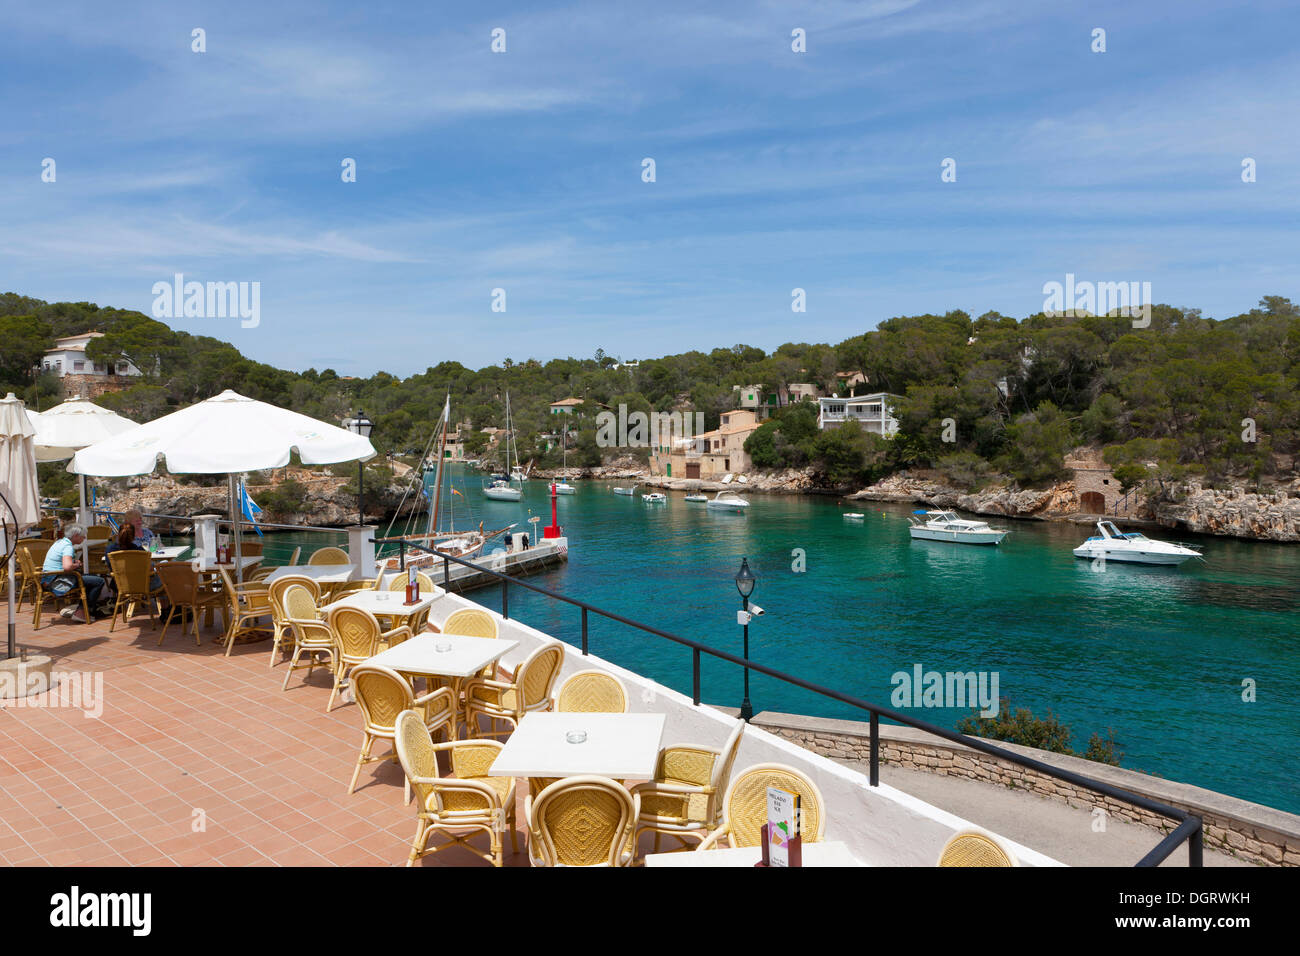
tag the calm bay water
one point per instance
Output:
(1157, 654)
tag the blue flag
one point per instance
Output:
(249, 507)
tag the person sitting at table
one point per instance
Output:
(62, 557)
(143, 536)
(126, 541)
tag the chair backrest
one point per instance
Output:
(722, 767)
(293, 558)
(277, 588)
(179, 580)
(398, 583)
(329, 556)
(592, 692)
(382, 694)
(27, 565)
(37, 548)
(536, 675)
(248, 548)
(975, 848)
(470, 622)
(582, 821)
(299, 604)
(745, 805)
(356, 631)
(415, 752)
(131, 571)
(99, 532)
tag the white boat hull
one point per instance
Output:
(503, 494)
(957, 537)
(727, 506)
(564, 489)
(1134, 556)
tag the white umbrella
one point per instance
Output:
(69, 427)
(225, 435)
(17, 485)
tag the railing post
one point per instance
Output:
(695, 669)
(505, 598)
(446, 574)
(875, 749)
(1196, 847)
(401, 553)
(584, 632)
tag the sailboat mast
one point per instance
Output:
(437, 478)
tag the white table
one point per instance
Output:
(245, 562)
(384, 603)
(814, 855)
(321, 573)
(620, 746)
(169, 554)
(465, 657)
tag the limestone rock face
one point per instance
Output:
(1272, 516)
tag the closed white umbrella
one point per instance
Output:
(224, 435)
(65, 429)
(22, 507)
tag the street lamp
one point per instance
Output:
(363, 426)
(745, 582)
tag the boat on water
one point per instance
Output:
(946, 526)
(727, 501)
(853, 516)
(1111, 544)
(625, 491)
(563, 487)
(503, 488)
(654, 498)
(696, 498)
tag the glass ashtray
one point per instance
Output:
(381, 596)
(576, 736)
(442, 647)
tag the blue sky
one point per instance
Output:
(522, 170)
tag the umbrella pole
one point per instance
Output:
(4, 546)
(84, 519)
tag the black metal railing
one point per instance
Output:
(1189, 826)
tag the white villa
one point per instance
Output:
(874, 411)
(68, 357)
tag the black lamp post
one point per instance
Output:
(745, 582)
(363, 426)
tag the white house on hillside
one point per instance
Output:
(875, 412)
(68, 357)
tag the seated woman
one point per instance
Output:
(126, 541)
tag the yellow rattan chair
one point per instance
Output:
(420, 621)
(29, 582)
(249, 603)
(685, 797)
(329, 556)
(581, 821)
(975, 848)
(471, 622)
(462, 806)
(293, 558)
(382, 694)
(744, 808)
(311, 635)
(357, 638)
(280, 629)
(528, 693)
(132, 575)
(186, 596)
(592, 692)
(42, 593)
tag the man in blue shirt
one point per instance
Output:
(62, 557)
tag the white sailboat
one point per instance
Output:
(563, 487)
(500, 490)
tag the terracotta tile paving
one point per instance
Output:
(196, 760)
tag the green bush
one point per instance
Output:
(1019, 726)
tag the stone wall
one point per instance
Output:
(1248, 830)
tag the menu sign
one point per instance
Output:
(782, 830)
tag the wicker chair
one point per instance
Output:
(592, 692)
(99, 533)
(471, 622)
(744, 808)
(30, 583)
(420, 621)
(132, 579)
(975, 848)
(683, 799)
(42, 592)
(311, 635)
(186, 596)
(49, 528)
(582, 821)
(382, 695)
(329, 556)
(529, 692)
(249, 603)
(471, 801)
(279, 618)
(357, 637)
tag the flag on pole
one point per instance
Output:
(249, 507)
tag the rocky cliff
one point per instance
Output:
(1274, 516)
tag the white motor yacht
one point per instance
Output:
(946, 526)
(654, 498)
(727, 501)
(502, 491)
(1111, 544)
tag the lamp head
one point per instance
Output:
(745, 579)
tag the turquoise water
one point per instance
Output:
(1157, 654)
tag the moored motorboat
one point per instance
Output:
(727, 501)
(625, 491)
(946, 526)
(696, 498)
(564, 488)
(502, 491)
(1111, 544)
(853, 516)
(654, 498)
